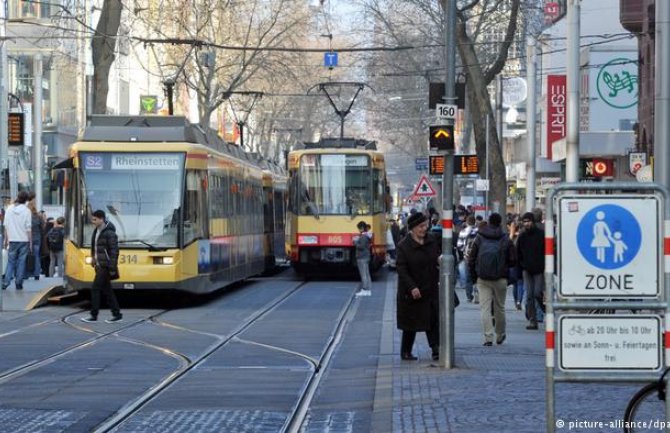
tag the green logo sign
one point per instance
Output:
(148, 104)
(617, 83)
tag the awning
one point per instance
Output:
(66, 163)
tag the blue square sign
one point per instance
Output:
(609, 246)
(330, 59)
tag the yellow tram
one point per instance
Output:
(333, 185)
(191, 212)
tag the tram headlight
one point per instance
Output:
(88, 260)
(163, 260)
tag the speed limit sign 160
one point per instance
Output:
(446, 111)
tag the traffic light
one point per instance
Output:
(442, 137)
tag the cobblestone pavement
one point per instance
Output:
(494, 389)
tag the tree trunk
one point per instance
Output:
(480, 103)
(103, 50)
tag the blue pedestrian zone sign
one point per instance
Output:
(609, 237)
(609, 246)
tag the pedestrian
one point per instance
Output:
(490, 257)
(418, 278)
(391, 240)
(46, 253)
(515, 279)
(362, 246)
(105, 254)
(436, 225)
(18, 240)
(55, 241)
(465, 238)
(395, 231)
(36, 233)
(538, 215)
(530, 255)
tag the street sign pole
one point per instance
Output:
(618, 263)
(447, 260)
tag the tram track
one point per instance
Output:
(297, 419)
(187, 360)
(20, 370)
(299, 412)
(133, 407)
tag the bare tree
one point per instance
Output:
(485, 31)
(103, 52)
(230, 43)
(481, 67)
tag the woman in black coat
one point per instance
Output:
(418, 279)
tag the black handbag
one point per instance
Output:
(30, 263)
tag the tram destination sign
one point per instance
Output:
(609, 246)
(609, 342)
(16, 127)
(463, 165)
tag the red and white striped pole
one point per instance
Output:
(549, 333)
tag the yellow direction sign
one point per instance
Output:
(424, 188)
(442, 137)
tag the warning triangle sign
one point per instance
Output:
(424, 188)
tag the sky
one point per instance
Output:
(341, 12)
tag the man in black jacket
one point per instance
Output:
(105, 257)
(490, 257)
(530, 256)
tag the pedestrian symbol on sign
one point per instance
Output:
(609, 236)
(424, 188)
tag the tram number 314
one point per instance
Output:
(128, 259)
(609, 282)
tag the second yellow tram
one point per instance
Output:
(333, 185)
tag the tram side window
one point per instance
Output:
(78, 218)
(215, 199)
(194, 206)
(246, 203)
(294, 197)
(236, 208)
(85, 212)
(258, 204)
(378, 192)
(278, 210)
(225, 190)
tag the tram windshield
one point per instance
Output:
(335, 184)
(139, 192)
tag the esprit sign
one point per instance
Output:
(556, 110)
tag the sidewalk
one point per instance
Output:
(33, 294)
(494, 389)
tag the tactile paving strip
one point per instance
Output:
(34, 420)
(204, 421)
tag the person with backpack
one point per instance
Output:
(55, 240)
(530, 253)
(490, 257)
(465, 238)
